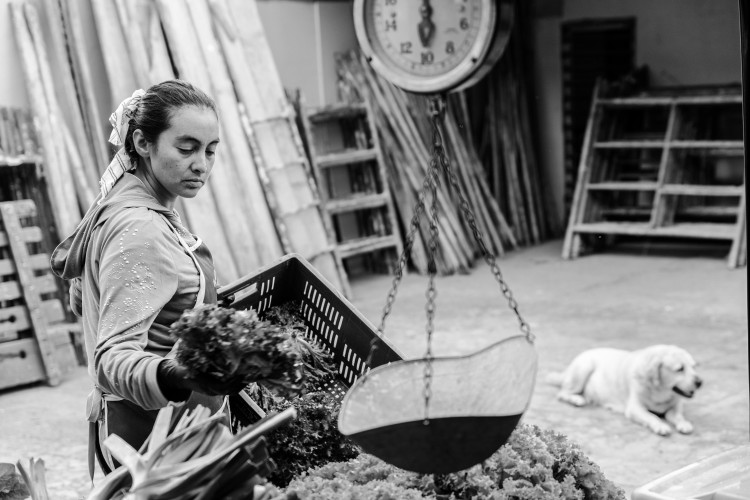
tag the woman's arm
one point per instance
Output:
(137, 278)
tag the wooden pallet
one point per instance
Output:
(651, 165)
(345, 153)
(35, 339)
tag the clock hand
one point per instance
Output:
(426, 27)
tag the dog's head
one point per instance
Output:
(673, 368)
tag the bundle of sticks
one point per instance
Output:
(406, 132)
(501, 116)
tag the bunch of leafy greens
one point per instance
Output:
(534, 464)
(309, 441)
(226, 343)
(316, 362)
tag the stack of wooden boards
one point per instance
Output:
(261, 201)
(36, 343)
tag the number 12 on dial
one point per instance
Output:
(430, 46)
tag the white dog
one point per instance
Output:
(647, 385)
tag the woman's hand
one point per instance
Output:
(176, 384)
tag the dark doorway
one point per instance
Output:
(590, 49)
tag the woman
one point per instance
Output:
(135, 268)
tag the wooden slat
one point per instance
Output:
(736, 145)
(359, 202)
(31, 234)
(10, 290)
(14, 161)
(622, 186)
(38, 262)
(347, 157)
(667, 101)
(365, 245)
(336, 111)
(629, 144)
(19, 363)
(12, 321)
(702, 190)
(690, 230)
(709, 211)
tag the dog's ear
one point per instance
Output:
(654, 373)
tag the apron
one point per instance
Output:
(109, 414)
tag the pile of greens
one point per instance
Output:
(534, 464)
(231, 344)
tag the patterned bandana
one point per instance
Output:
(121, 162)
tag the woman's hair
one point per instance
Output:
(156, 108)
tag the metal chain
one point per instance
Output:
(399, 269)
(488, 256)
(431, 293)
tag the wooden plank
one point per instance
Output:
(60, 190)
(75, 180)
(702, 230)
(31, 234)
(660, 203)
(117, 59)
(737, 253)
(347, 157)
(336, 111)
(33, 302)
(702, 190)
(66, 90)
(629, 144)
(86, 87)
(10, 290)
(13, 320)
(365, 245)
(572, 241)
(20, 363)
(621, 186)
(669, 101)
(357, 202)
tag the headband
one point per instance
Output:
(119, 120)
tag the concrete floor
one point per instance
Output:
(630, 297)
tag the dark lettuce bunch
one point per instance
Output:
(230, 344)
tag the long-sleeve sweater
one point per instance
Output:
(135, 279)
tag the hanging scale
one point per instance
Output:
(438, 414)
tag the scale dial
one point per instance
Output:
(430, 46)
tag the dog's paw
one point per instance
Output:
(661, 428)
(684, 427)
(573, 399)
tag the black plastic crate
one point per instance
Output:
(332, 321)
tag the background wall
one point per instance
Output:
(684, 42)
(304, 37)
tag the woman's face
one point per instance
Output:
(183, 155)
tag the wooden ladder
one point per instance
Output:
(348, 163)
(35, 340)
(663, 164)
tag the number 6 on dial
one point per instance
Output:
(433, 46)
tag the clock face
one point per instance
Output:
(425, 45)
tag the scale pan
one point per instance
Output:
(475, 404)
